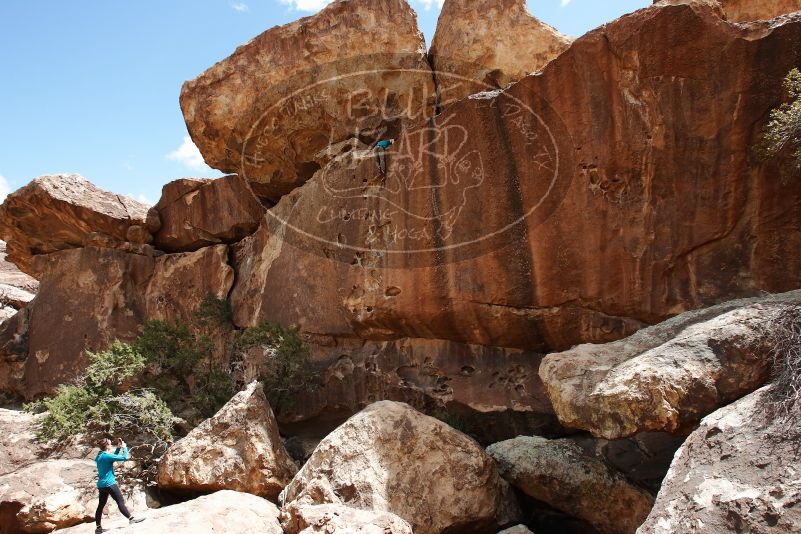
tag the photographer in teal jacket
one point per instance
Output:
(107, 483)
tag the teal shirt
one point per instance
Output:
(105, 466)
(384, 144)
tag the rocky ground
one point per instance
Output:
(553, 313)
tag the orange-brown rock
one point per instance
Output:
(749, 10)
(745, 10)
(355, 69)
(195, 213)
(89, 297)
(547, 215)
(486, 44)
(57, 212)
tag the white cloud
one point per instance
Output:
(5, 188)
(240, 6)
(565, 2)
(306, 5)
(189, 156)
(141, 197)
(428, 4)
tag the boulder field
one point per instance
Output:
(567, 274)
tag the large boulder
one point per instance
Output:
(356, 68)
(237, 449)
(223, 512)
(55, 494)
(196, 213)
(486, 44)
(91, 296)
(490, 393)
(560, 474)
(666, 377)
(337, 519)
(391, 458)
(60, 211)
(557, 216)
(738, 472)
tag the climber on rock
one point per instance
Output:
(381, 153)
(107, 483)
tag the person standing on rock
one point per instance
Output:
(381, 153)
(107, 484)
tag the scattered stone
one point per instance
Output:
(237, 449)
(738, 472)
(665, 377)
(391, 458)
(558, 473)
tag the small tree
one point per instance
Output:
(783, 132)
(287, 368)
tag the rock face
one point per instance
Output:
(58, 212)
(237, 449)
(666, 377)
(199, 213)
(491, 393)
(91, 296)
(496, 253)
(749, 10)
(55, 494)
(738, 472)
(746, 10)
(558, 473)
(335, 519)
(218, 513)
(486, 44)
(390, 458)
(356, 68)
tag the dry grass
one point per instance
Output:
(785, 333)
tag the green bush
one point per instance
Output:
(783, 132)
(172, 368)
(94, 403)
(287, 368)
(171, 347)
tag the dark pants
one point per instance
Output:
(116, 494)
(381, 156)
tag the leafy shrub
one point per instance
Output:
(171, 347)
(783, 132)
(95, 404)
(213, 312)
(287, 368)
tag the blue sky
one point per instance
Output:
(92, 86)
